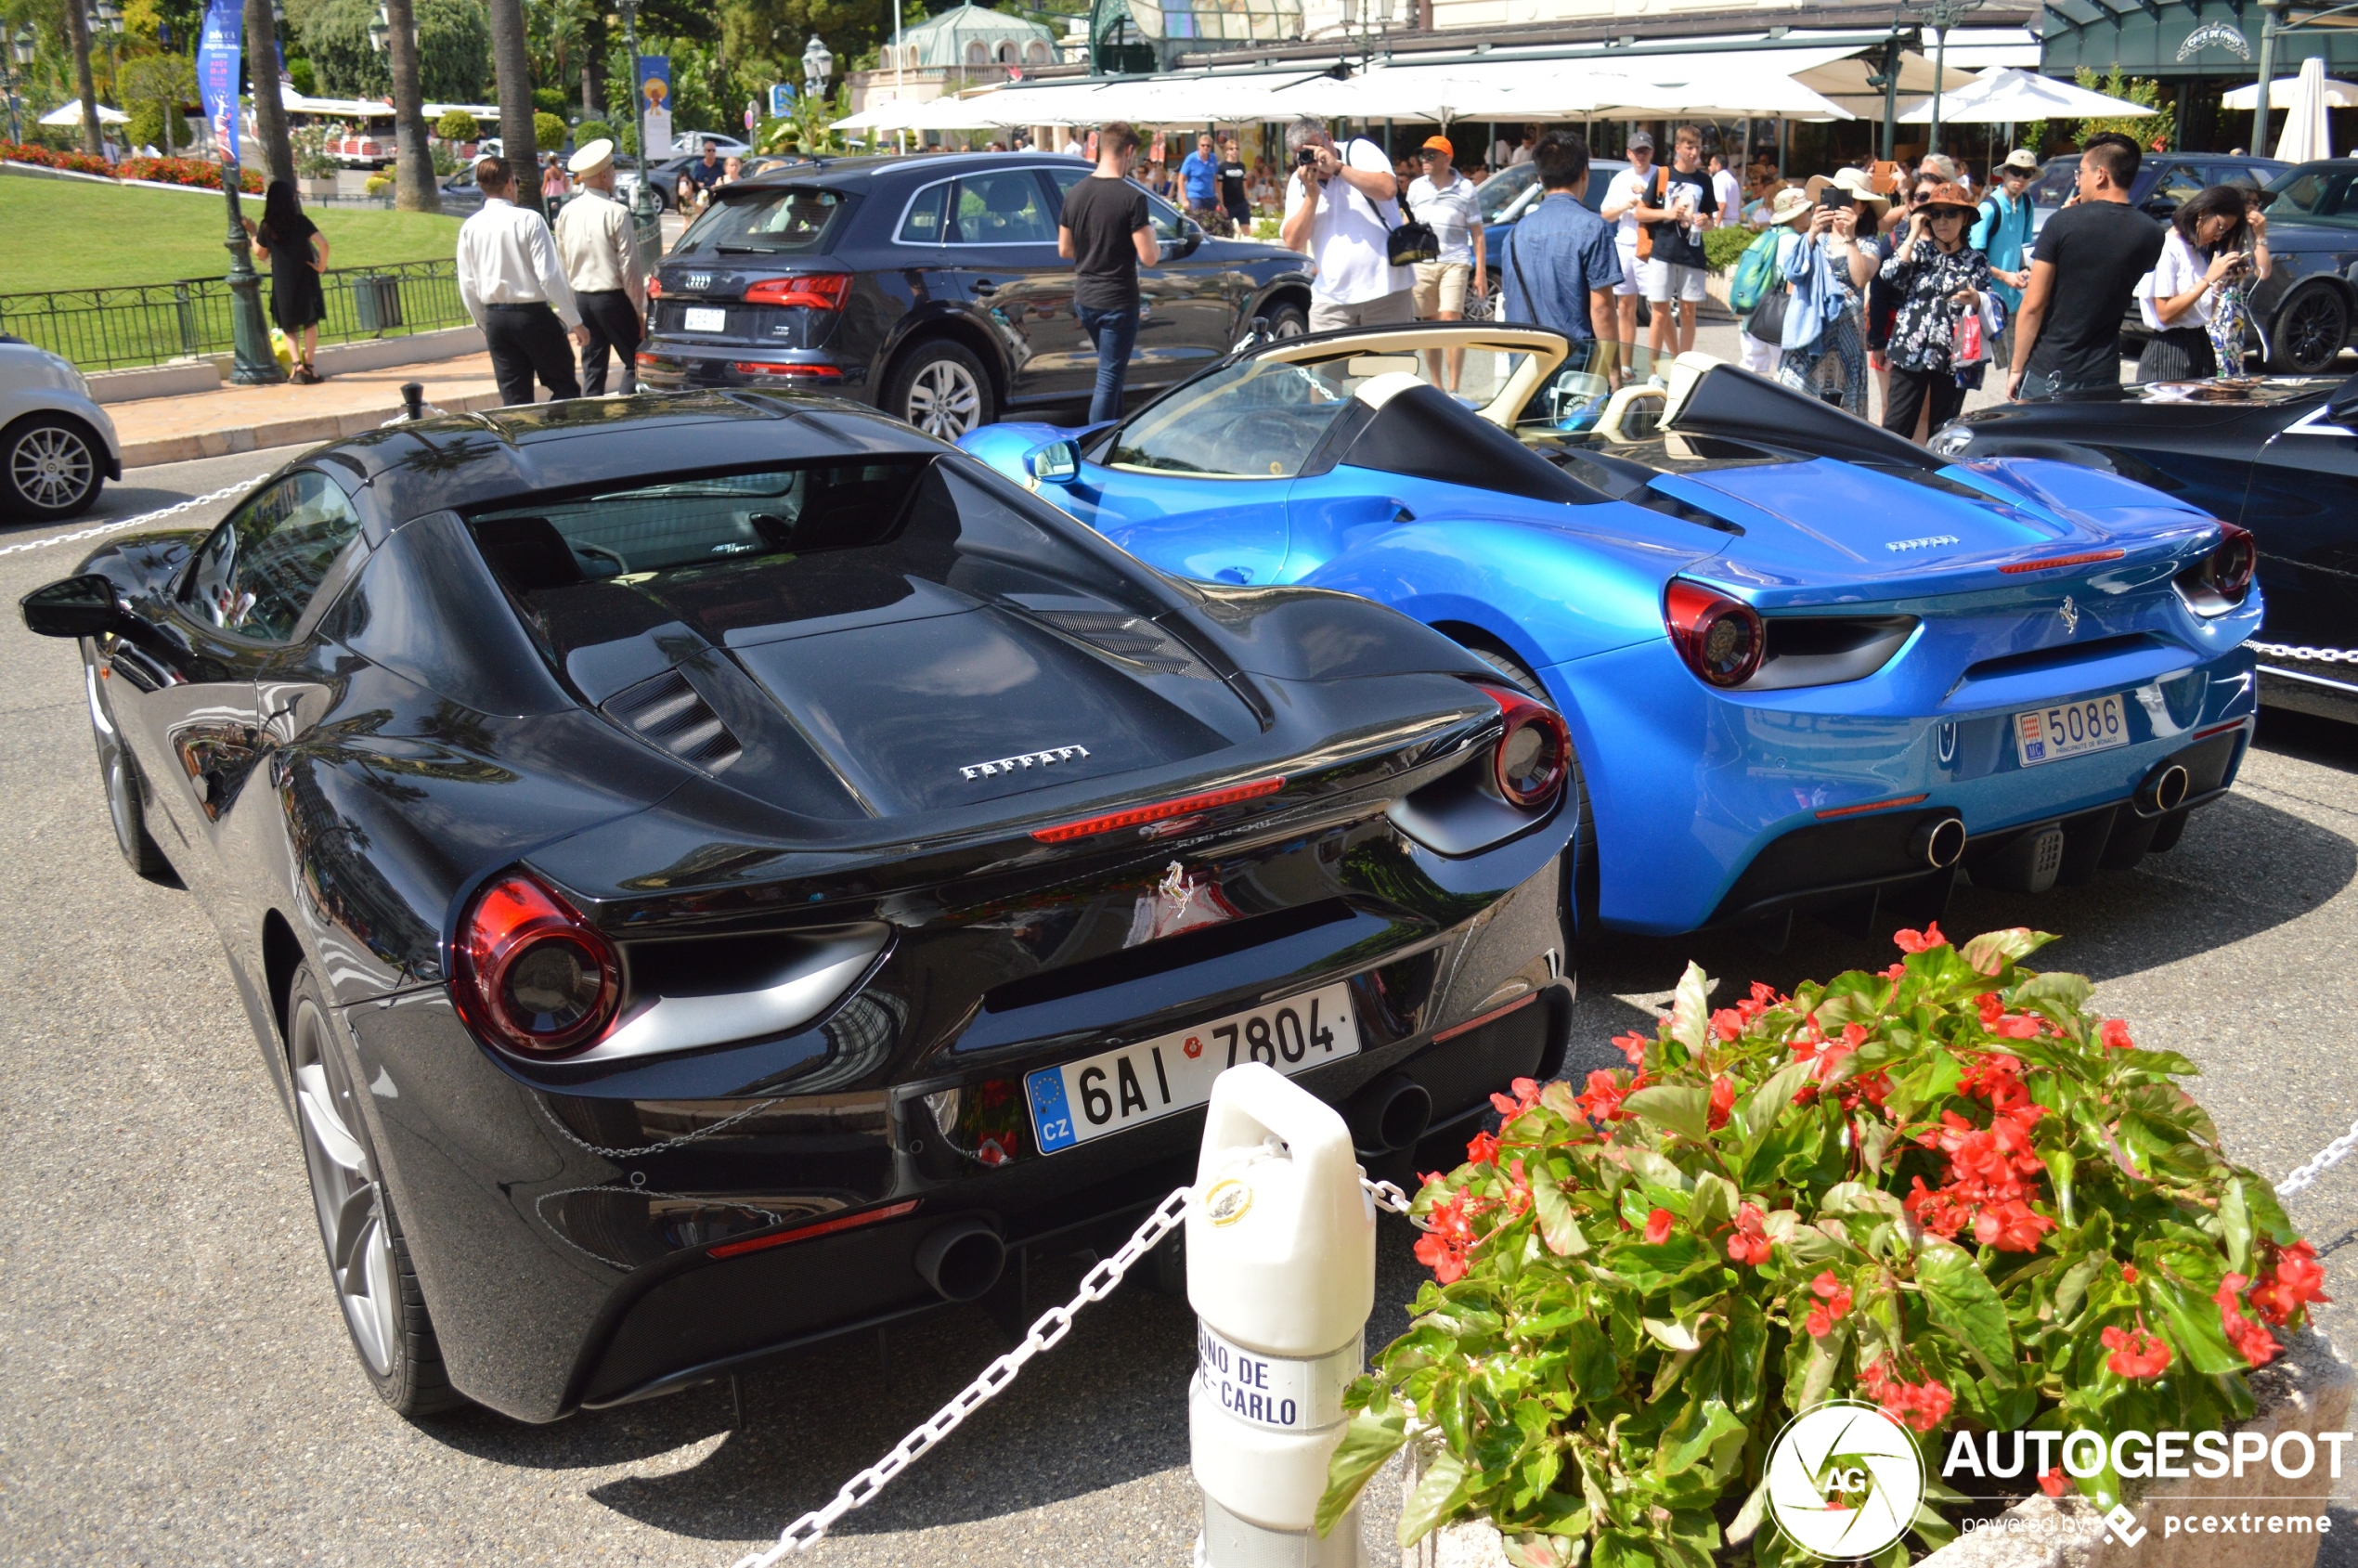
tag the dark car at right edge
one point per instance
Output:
(931, 287)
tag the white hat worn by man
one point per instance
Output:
(598, 243)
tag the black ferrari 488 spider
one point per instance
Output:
(2277, 455)
(709, 872)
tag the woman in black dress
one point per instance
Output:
(297, 252)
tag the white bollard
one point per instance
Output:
(1281, 1271)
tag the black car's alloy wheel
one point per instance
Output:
(2310, 331)
(1288, 321)
(942, 389)
(367, 1259)
(48, 468)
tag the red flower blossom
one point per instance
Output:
(1601, 1102)
(1527, 1096)
(1484, 1149)
(1749, 1244)
(1835, 1296)
(1896, 972)
(1658, 1226)
(2289, 1280)
(2055, 1482)
(1723, 1100)
(1919, 1405)
(1918, 941)
(2139, 1355)
(2115, 1035)
(1633, 1046)
(1445, 1243)
(2258, 1345)
(2128, 1274)
(1985, 1185)
(1992, 1009)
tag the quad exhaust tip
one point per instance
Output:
(1939, 843)
(962, 1259)
(2164, 790)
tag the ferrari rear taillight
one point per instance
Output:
(2218, 582)
(818, 290)
(1534, 753)
(1721, 639)
(529, 973)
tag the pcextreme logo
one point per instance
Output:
(1844, 1481)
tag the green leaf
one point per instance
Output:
(1686, 1111)
(1825, 1355)
(1962, 1301)
(1992, 950)
(1559, 1225)
(1748, 1517)
(1701, 1436)
(1690, 1009)
(1672, 1334)
(2073, 1287)
(2068, 995)
(2195, 1327)
(1367, 1442)
(1714, 1203)
(1757, 1111)
(2234, 1224)
(1439, 1494)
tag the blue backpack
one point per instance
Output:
(1756, 270)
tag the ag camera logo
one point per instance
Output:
(1845, 1480)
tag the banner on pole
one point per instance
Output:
(654, 90)
(217, 49)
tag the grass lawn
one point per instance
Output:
(73, 234)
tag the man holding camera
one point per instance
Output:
(1340, 209)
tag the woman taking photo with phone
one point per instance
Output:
(1942, 278)
(2216, 250)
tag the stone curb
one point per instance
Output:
(2308, 1390)
(309, 431)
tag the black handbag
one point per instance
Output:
(1411, 242)
(1767, 321)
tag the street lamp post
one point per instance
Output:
(818, 65)
(20, 49)
(2268, 27)
(253, 364)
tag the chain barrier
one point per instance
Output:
(2327, 1158)
(1049, 1327)
(241, 488)
(2311, 655)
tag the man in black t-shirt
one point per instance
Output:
(1105, 231)
(2082, 274)
(1676, 208)
(1233, 201)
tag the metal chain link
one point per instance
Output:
(227, 491)
(2327, 1158)
(1046, 1331)
(2313, 655)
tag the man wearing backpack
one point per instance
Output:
(2002, 232)
(1623, 197)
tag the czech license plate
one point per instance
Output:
(1119, 1090)
(2069, 730)
(697, 319)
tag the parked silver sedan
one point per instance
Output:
(58, 448)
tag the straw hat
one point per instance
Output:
(1946, 194)
(1852, 180)
(1790, 206)
(590, 158)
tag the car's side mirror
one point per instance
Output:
(1059, 463)
(1190, 236)
(80, 606)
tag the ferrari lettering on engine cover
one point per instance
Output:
(1047, 758)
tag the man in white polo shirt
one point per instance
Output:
(1623, 196)
(1340, 209)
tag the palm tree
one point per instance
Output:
(413, 184)
(78, 36)
(270, 108)
(512, 65)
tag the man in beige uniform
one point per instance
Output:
(596, 243)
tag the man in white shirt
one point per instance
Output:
(1340, 209)
(511, 283)
(599, 247)
(1441, 198)
(1727, 190)
(1623, 197)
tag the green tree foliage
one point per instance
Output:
(454, 51)
(456, 124)
(548, 100)
(336, 36)
(306, 80)
(154, 86)
(2140, 129)
(591, 130)
(548, 131)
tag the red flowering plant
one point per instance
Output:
(1949, 1189)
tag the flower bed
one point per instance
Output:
(48, 157)
(1949, 1189)
(162, 171)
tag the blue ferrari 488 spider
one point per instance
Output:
(1807, 665)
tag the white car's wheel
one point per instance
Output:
(49, 468)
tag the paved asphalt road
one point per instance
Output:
(175, 1386)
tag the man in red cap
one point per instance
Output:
(1444, 200)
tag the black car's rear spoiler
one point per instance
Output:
(1727, 400)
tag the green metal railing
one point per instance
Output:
(147, 324)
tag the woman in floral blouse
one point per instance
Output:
(1943, 277)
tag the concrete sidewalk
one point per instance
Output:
(246, 418)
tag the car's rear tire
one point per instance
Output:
(1581, 897)
(1287, 320)
(940, 387)
(384, 1312)
(2308, 331)
(50, 468)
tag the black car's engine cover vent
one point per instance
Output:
(668, 712)
(1132, 639)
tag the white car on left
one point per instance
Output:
(58, 448)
